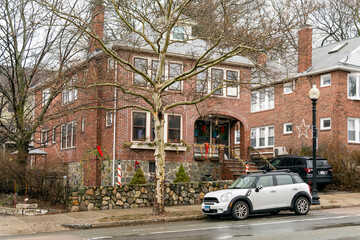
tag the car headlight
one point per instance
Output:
(226, 197)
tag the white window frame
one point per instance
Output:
(232, 87)
(73, 134)
(289, 87)
(53, 135)
(148, 126)
(269, 99)
(322, 121)
(357, 86)
(356, 130)
(285, 128)
(109, 118)
(44, 137)
(168, 75)
(69, 94)
(266, 129)
(323, 78)
(237, 134)
(45, 96)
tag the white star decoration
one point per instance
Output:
(303, 128)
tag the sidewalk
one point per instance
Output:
(15, 225)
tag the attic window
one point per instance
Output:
(337, 47)
(179, 33)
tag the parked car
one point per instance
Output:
(304, 167)
(264, 192)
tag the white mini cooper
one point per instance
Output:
(259, 193)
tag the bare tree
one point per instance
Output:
(35, 45)
(240, 27)
(337, 20)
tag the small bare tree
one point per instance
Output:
(35, 45)
(224, 29)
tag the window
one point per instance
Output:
(174, 128)
(354, 87)
(237, 136)
(43, 138)
(111, 64)
(283, 179)
(262, 99)
(262, 137)
(69, 94)
(175, 69)
(325, 80)
(144, 127)
(45, 96)
(109, 117)
(289, 87)
(179, 33)
(217, 76)
(82, 124)
(265, 181)
(142, 65)
(152, 167)
(54, 135)
(325, 123)
(287, 128)
(354, 130)
(139, 126)
(201, 82)
(232, 83)
(68, 135)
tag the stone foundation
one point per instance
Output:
(135, 196)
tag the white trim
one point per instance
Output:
(322, 120)
(322, 79)
(356, 130)
(237, 131)
(289, 87)
(357, 85)
(72, 143)
(45, 94)
(256, 130)
(53, 140)
(285, 128)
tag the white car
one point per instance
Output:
(258, 193)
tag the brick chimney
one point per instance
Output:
(97, 24)
(304, 49)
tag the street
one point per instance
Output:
(340, 223)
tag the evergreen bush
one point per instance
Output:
(139, 177)
(181, 175)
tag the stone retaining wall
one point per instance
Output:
(134, 196)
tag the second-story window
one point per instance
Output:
(175, 69)
(325, 80)
(68, 135)
(262, 99)
(69, 94)
(232, 83)
(201, 82)
(109, 117)
(44, 137)
(354, 87)
(217, 76)
(142, 65)
(45, 96)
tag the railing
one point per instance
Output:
(261, 156)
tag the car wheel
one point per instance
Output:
(302, 206)
(240, 211)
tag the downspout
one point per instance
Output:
(114, 131)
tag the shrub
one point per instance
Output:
(181, 175)
(139, 177)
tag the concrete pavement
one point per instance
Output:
(16, 225)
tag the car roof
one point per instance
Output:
(263, 173)
(304, 157)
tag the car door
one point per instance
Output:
(265, 198)
(285, 190)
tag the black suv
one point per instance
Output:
(304, 167)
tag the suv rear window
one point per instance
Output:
(319, 163)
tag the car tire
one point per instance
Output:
(302, 206)
(240, 210)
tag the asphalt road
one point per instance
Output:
(341, 223)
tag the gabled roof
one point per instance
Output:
(344, 55)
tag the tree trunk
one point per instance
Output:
(22, 157)
(160, 164)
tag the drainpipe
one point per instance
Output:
(114, 132)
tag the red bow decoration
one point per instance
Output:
(99, 150)
(222, 130)
(137, 164)
(206, 149)
(204, 128)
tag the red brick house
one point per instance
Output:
(125, 136)
(281, 114)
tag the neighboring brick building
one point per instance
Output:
(126, 135)
(282, 115)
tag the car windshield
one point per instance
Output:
(243, 182)
(319, 163)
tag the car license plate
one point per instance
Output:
(207, 208)
(323, 172)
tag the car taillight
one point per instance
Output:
(308, 170)
(309, 189)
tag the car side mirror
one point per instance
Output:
(258, 188)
